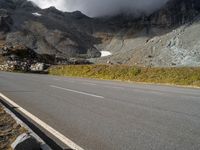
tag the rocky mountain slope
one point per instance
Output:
(169, 37)
(46, 31)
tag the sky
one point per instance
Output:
(97, 8)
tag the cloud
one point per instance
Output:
(60, 4)
(95, 8)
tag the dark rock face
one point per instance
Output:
(16, 4)
(5, 23)
(176, 12)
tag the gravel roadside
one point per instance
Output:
(9, 129)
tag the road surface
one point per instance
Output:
(108, 115)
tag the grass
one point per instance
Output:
(176, 76)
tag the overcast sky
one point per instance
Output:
(95, 8)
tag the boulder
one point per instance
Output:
(26, 142)
(38, 67)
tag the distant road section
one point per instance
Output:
(108, 115)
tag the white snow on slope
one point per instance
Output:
(105, 53)
(37, 14)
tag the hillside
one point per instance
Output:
(168, 37)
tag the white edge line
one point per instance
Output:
(55, 133)
(70, 90)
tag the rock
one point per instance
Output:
(18, 57)
(38, 67)
(26, 142)
(24, 66)
(93, 53)
(78, 61)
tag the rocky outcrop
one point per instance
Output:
(21, 58)
(176, 12)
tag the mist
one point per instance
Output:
(97, 8)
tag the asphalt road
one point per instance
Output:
(107, 115)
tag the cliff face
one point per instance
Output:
(5, 23)
(176, 12)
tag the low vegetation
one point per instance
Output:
(176, 76)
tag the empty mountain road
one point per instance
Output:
(109, 115)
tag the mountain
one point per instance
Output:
(168, 37)
(46, 31)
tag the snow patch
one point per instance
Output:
(105, 53)
(37, 14)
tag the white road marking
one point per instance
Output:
(79, 92)
(57, 134)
